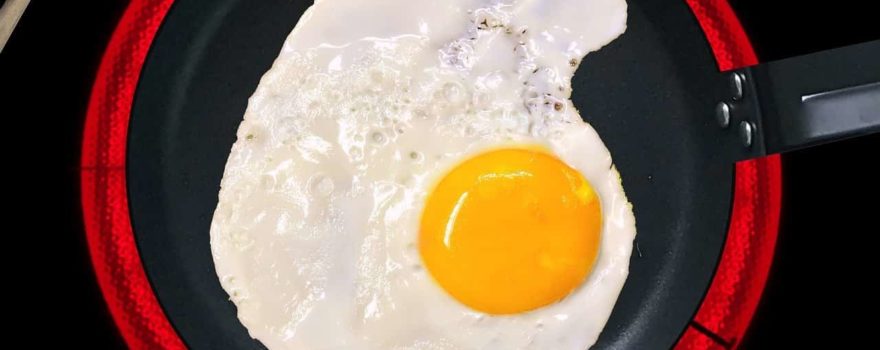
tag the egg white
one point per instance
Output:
(366, 107)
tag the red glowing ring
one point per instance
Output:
(115, 257)
(733, 296)
(720, 322)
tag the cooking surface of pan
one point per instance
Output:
(650, 94)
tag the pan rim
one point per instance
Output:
(129, 294)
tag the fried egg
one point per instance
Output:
(413, 175)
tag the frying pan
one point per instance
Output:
(674, 125)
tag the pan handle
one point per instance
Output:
(804, 101)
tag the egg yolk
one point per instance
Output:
(510, 231)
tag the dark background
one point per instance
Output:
(814, 295)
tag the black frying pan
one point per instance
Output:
(674, 125)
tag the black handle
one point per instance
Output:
(804, 101)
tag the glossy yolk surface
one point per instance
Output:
(510, 231)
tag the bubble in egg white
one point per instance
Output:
(378, 138)
(321, 185)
